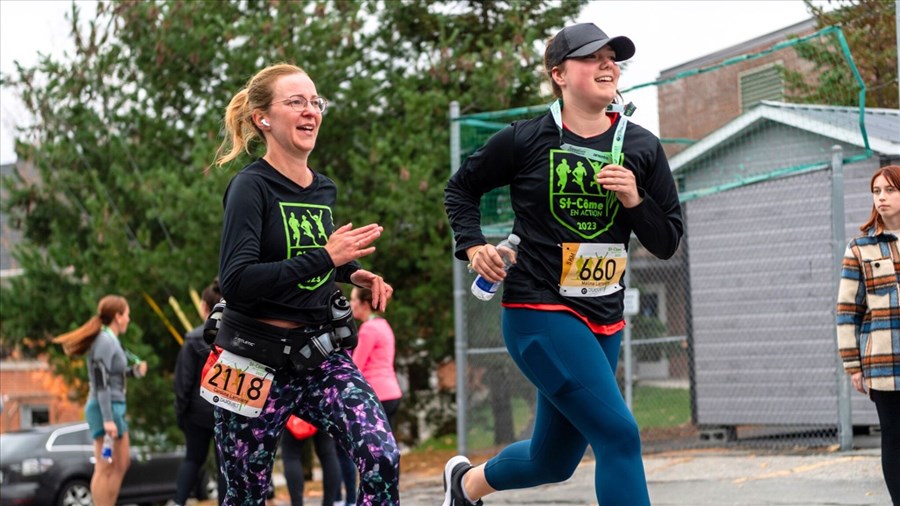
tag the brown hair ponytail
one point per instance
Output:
(79, 341)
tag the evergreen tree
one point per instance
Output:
(127, 125)
(869, 27)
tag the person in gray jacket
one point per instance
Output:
(195, 414)
(108, 365)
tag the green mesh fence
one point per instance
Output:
(809, 79)
(736, 341)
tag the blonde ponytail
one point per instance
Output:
(240, 131)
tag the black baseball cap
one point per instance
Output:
(584, 39)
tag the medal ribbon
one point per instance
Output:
(614, 156)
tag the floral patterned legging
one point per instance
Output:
(333, 397)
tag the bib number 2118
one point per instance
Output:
(237, 384)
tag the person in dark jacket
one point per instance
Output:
(194, 414)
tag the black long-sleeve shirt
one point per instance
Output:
(556, 201)
(272, 260)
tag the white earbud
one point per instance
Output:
(264, 121)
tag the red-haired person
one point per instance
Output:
(108, 365)
(868, 316)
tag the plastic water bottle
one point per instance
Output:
(484, 289)
(106, 453)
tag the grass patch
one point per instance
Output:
(656, 407)
(438, 443)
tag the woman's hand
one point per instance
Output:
(111, 429)
(381, 291)
(140, 369)
(488, 262)
(620, 180)
(856, 379)
(347, 243)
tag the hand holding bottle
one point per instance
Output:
(491, 264)
(106, 452)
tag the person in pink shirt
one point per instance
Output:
(374, 355)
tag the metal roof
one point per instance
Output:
(837, 122)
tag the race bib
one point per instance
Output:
(592, 270)
(237, 384)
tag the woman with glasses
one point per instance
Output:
(278, 350)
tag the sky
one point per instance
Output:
(666, 33)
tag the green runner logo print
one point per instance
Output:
(576, 200)
(306, 227)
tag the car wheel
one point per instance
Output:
(75, 493)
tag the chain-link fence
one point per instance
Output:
(732, 339)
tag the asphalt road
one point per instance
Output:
(711, 478)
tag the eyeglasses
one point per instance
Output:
(299, 103)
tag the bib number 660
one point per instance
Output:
(603, 270)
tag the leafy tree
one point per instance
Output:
(869, 27)
(125, 127)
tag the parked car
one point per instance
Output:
(52, 465)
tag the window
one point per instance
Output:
(72, 438)
(653, 301)
(761, 83)
(33, 415)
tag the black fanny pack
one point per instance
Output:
(276, 347)
(253, 339)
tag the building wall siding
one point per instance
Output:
(762, 298)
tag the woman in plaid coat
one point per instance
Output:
(868, 316)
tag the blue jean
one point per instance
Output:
(578, 403)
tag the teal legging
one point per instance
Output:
(578, 403)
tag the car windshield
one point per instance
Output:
(17, 443)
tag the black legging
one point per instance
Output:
(291, 456)
(196, 441)
(888, 406)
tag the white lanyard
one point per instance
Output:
(614, 156)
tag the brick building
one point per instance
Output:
(692, 107)
(33, 395)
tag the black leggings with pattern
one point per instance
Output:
(334, 397)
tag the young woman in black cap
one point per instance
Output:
(582, 179)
